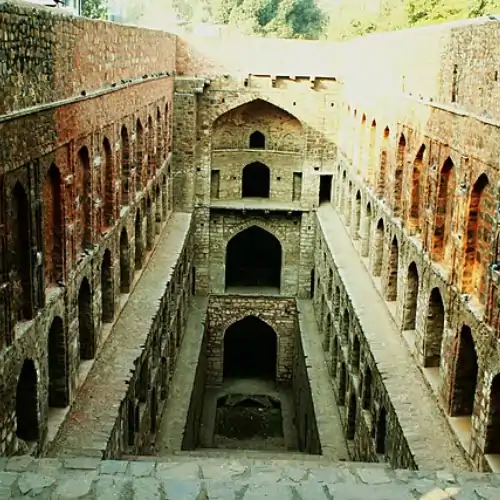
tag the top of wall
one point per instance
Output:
(48, 55)
(428, 64)
(238, 55)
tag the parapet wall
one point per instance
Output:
(49, 56)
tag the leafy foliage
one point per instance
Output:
(95, 9)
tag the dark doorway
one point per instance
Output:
(26, 403)
(256, 181)
(311, 284)
(85, 322)
(253, 258)
(492, 443)
(124, 263)
(250, 350)
(257, 140)
(58, 362)
(154, 411)
(107, 295)
(381, 432)
(138, 241)
(325, 189)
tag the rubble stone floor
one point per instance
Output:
(190, 478)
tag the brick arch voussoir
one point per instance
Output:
(245, 225)
(253, 312)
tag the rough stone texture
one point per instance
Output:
(189, 478)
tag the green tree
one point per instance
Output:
(95, 9)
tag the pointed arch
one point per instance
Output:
(151, 149)
(444, 207)
(125, 161)
(108, 181)
(380, 439)
(382, 174)
(416, 189)
(159, 138)
(139, 247)
(372, 152)
(411, 298)
(398, 176)
(492, 438)
(107, 289)
(378, 249)
(86, 334)
(477, 251)
(139, 154)
(257, 140)
(253, 258)
(27, 403)
(22, 255)
(124, 262)
(250, 349)
(58, 365)
(85, 195)
(53, 227)
(256, 180)
(357, 215)
(434, 330)
(391, 292)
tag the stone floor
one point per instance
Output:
(189, 478)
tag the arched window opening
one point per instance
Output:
(383, 162)
(357, 215)
(366, 231)
(465, 374)
(391, 293)
(477, 243)
(378, 249)
(434, 330)
(108, 182)
(150, 233)
(342, 384)
(415, 189)
(256, 181)
(250, 350)
(346, 325)
(138, 241)
(351, 416)
(159, 139)
(367, 389)
(327, 334)
(492, 442)
(355, 354)
(143, 382)
(27, 403)
(85, 322)
(139, 154)
(410, 308)
(84, 190)
(257, 140)
(58, 365)
(22, 246)
(125, 177)
(398, 176)
(151, 149)
(53, 261)
(380, 444)
(107, 289)
(444, 206)
(253, 259)
(124, 263)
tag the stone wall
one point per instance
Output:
(225, 310)
(85, 188)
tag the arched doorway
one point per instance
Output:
(253, 258)
(410, 308)
(125, 160)
(391, 292)
(85, 322)
(256, 181)
(27, 404)
(124, 263)
(434, 330)
(250, 350)
(380, 444)
(492, 441)
(58, 365)
(465, 374)
(378, 249)
(138, 240)
(107, 295)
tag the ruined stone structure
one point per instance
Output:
(197, 242)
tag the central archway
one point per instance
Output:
(255, 181)
(253, 258)
(250, 350)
